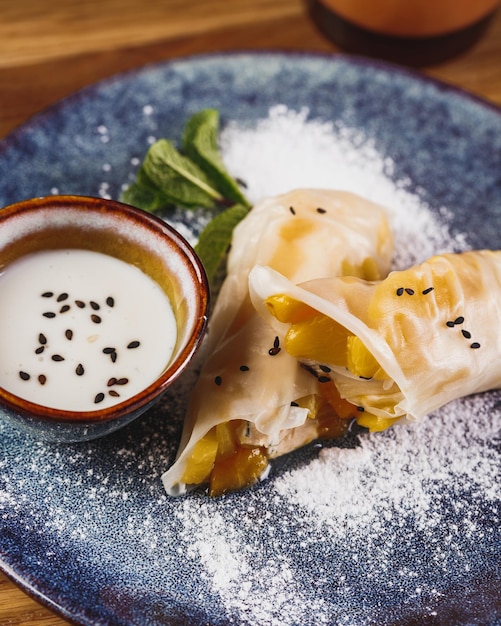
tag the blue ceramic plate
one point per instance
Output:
(397, 528)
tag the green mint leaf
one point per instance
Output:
(200, 144)
(143, 193)
(179, 179)
(215, 239)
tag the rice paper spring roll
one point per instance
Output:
(252, 400)
(400, 348)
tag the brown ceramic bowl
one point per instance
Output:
(133, 236)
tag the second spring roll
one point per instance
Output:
(400, 348)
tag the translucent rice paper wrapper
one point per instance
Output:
(304, 234)
(433, 329)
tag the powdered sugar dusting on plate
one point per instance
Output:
(289, 150)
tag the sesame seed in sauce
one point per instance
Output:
(244, 368)
(218, 380)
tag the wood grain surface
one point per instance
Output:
(50, 49)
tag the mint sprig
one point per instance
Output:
(193, 176)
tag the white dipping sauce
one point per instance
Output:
(81, 330)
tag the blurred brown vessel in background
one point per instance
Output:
(410, 32)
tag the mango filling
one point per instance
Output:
(220, 460)
(316, 337)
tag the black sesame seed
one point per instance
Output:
(112, 381)
(466, 334)
(42, 379)
(113, 393)
(42, 338)
(323, 379)
(400, 291)
(108, 350)
(292, 210)
(426, 291)
(244, 368)
(459, 320)
(94, 305)
(133, 344)
(39, 350)
(110, 301)
(294, 403)
(24, 375)
(276, 342)
(409, 291)
(49, 314)
(325, 368)
(64, 308)
(122, 381)
(475, 345)
(80, 304)
(57, 357)
(47, 294)
(320, 210)
(450, 324)
(95, 318)
(273, 351)
(113, 357)
(62, 297)
(68, 334)
(360, 408)
(99, 398)
(80, 371)
(218, 380)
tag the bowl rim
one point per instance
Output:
(191, 261)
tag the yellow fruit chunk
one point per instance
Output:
(374, 423)
(225, 439)
(288, 310)
(202, 459)
(318, 338)
(241, 469)
(361, 362)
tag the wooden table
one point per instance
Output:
(48, 52)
